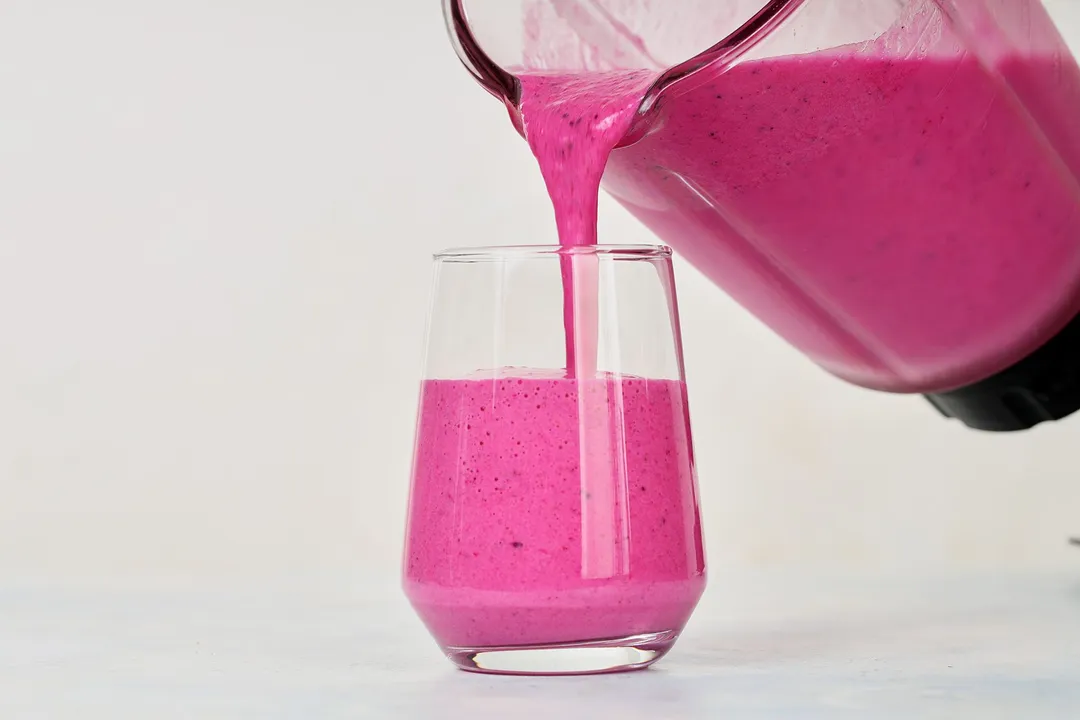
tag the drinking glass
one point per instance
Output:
(553, 523)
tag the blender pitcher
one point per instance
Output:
(893, 186)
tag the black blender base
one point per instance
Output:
(1043, 387)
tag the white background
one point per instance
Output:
(216, 218)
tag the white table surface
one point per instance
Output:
(767, 646)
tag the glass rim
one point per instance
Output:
(490, 253)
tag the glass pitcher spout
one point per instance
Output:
(591, 35)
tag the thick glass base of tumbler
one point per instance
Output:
(592, 657)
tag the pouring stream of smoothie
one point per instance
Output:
(572, 123)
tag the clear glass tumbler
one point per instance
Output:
(553, 522)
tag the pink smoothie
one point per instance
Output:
(572, 130)
(904, 222)
(912, 224)
(510, 544)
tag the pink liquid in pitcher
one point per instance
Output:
(904, 222)
(510, 545)
(910, 223)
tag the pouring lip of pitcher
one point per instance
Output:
(504, 85)
(491, 76)
(772, 14)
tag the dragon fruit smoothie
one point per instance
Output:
(558, 507)
(900, 220)
(571, 129)
(499, 542)
(910, 223)
(914, 187)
